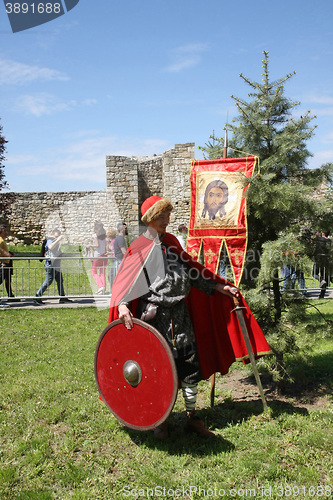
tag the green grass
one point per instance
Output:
(57, 441)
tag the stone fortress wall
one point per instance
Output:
(129, 181)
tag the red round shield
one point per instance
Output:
(136, 374)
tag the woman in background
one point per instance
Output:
(111, 234)
(99, 262)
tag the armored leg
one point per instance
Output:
(193, 423)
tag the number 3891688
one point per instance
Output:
(33, 8)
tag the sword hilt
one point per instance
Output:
(237, 304)
(236, 301)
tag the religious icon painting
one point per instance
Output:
(219, 199)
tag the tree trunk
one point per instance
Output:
(277, 296)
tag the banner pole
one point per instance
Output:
(225, 146)
(212, 378)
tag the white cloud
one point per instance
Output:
(82, 160)
(319, 99)
(85, 159)
(319, 104)
(38, 105)
(20, 159)
(328, 137)
(16, 73)
(47, 104)
(322, 111)
(88, 102)
(321, 157)
(186, 56)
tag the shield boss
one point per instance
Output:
(136, 374)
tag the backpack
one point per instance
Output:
(42, 250)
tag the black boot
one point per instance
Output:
(38, 301)
(161, 432)
(194, 424)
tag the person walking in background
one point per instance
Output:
(182, 236)
(99, 264)
(126, 235)
(53, 267)
(111, 234)
(322, 264)
(290, 274)
(6, 266)
(120, 245)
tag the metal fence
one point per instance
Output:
(28, 274)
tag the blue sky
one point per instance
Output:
(135, 77)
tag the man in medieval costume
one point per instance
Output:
(191, 307)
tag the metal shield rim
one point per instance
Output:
(173, 368)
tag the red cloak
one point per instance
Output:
(218, 335)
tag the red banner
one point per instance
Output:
(218, 211)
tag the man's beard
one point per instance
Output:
(212, 211)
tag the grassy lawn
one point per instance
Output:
(57, 441)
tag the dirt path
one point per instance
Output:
(239, 387)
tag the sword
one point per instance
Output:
(239, 311)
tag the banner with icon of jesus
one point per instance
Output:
(218, 211)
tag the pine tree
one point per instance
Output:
(5, 198)
(283, 211)
(283, 214)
